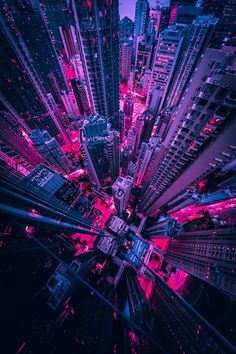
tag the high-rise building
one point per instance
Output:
(35, 44)
(81, 96)
(14, 145)
(56, 14)
(206, 254)
(142, 61)
(98, 41)
(67, 33)
(132, 169)
(148, 244)
(146, 81)
(206, 105)
(55, 185)
(117, 122)
(125, 60)
(132, 141)
(49, 148)
(164, 15)
(121, 191)
(128, 106)
(141, 22)
(100, 150)
(171, 310)
(217, 155)
(196, 38)
(126, 28)
(147, 159)
(167, 51)
(149, 121)
(24, 95)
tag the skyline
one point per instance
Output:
(117, 177)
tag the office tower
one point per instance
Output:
(125, 60)
(140, 308)
(49, 148)
(100, 149)
(127, 156)
(19, 94)
(148, 158)
(132, 169)
(146, 81)
(117, 122)
(225, 27)
(126, 28)
(153, 24)
(142, 60)
(128, 107)
(63, 279)
(167, 228)
(23, 94)
(95, 125)
(69, 103)
(121, 191)
(206, 254)
(58, 187)
(112, 146)
(131, 81)
(67, 33)
(78, 67)
(81, 96)
(14, 145)
(196, 38)
(165, 12)
(56, 14)
(206, 105)
(98, 42)
(132, 141)
(163, 121)
(149, 121)
(185, 14)
(139, 125)
(167, 51)
(220, 153)
(140, 22)
(35, 44)
(172, 311)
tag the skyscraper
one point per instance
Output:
(205, 106)
(24, 94)
(80, 96)
(56, 14)
(196, 38)
(125, 60)
(117, 122)
(167, 51)
(49, 148)
(132, 141)
(140, 23)
(126, 28)
(206, 255)
(147, 159)
(67, 33)
(35, 44)
(100, 149)
(121, 191)
(14, 145)
(117, 228)
(97, 24)
(128, 106)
